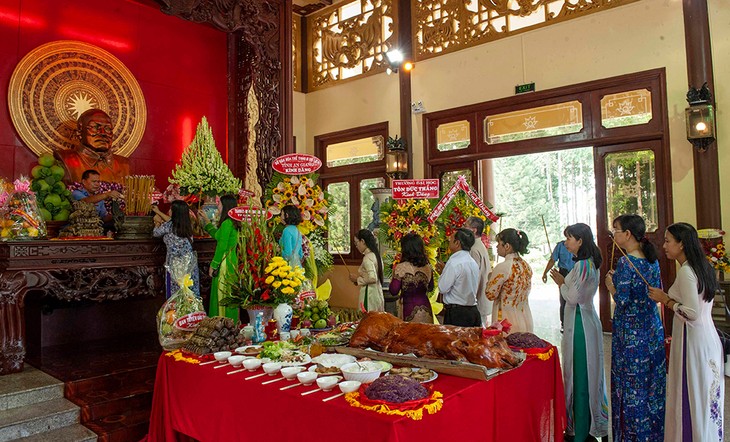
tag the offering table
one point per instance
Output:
(205, 403)
(77, 270)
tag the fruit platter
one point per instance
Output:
(317, 315)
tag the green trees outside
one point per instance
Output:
(560, 186)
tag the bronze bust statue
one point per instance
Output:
(94, 150)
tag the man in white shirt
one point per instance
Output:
(481, 256)
(459, 281)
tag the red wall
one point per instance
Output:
(180, 66)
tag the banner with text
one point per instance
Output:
(415, 189)
(296, 164)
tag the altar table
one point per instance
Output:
(84, 270)
(521, 405)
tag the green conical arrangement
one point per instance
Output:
(202, 170)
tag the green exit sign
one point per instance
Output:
(527, 87)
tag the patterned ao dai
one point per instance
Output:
(638, 361)
(509, 288)
(413, 283)
(695, 385)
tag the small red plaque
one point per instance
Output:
(245, 213)
(416, 189)
(296, 164)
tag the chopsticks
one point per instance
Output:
(333, 397)
(237, 371)
(291, 386)
(208, 363)
(222, 365)
(255, 376)
(275, 380)
(311, 391)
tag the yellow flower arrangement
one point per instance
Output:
(302, 192)
(283, 279)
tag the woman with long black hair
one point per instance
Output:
(412, 280)
(225, 259)
(695, 384)
(176, 231)
(638, 358)
(370, 274)
(583, 377)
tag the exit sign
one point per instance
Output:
(522, 88)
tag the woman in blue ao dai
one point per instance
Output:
(638, 361)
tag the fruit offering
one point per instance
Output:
(21, 218)
(316, 313)
(178, 319)
(53, 196)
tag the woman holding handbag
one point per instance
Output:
(370, 274)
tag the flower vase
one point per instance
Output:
(283, 314)
(210, 208)
(268, 313)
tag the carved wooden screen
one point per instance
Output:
(442, 26)
(349, 40)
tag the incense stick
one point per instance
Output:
(630, 263)
(613, 251)
(546, 234)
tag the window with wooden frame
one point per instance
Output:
(353, 162)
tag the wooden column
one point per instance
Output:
(699, 71)
(286, 77)
(404, 78)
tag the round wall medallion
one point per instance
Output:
(56, 82)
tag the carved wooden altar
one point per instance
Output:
(69, 271)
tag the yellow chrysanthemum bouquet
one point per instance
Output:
(284, 280)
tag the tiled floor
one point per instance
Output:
(545, 311)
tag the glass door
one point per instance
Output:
(630, 179)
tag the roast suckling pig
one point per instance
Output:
(384, 332)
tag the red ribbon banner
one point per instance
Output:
(460, 185)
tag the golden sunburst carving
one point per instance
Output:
(56, 82)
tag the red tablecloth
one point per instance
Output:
(522, 405)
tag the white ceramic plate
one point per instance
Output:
(336, 373)
(333, 360)
(249, 350)
(434, 375)
(304, 360)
